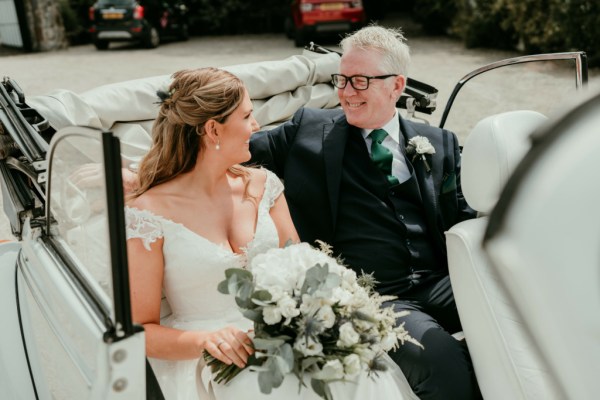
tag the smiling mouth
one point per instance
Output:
(354, 105)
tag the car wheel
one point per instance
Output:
(152, 40)
(183, 33)
(101, 44)
(299, 38)
(289, 28)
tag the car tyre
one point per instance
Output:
(101, 44)
(152, 39)
(184, 33)
(289, 28)
(299, 38)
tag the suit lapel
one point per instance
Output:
(335, 136)
(425, 179)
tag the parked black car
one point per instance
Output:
(145, 21)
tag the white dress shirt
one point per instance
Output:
(392, 142)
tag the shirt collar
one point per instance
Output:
(392, 127)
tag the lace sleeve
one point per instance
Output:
(273, 188)
(143, 225)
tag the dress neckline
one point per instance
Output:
(220, 246)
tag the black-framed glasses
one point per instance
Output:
(358, 82)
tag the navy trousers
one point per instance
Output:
(443, 368)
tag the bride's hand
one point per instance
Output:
(229, 345)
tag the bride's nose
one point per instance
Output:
(255, 125)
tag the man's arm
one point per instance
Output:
(270, 148)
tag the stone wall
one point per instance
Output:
(45, 25)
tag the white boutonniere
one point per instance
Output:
(419, 146)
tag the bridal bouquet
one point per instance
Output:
(312, 317)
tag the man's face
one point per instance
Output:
(375, 106)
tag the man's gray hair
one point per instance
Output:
(390, 42)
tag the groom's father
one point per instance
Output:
(381, 190)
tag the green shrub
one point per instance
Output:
(237, 16)
(483, 23)
(532, 26)
(435, 16)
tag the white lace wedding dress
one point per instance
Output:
(193, 268)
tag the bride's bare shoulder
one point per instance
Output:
(152, 200)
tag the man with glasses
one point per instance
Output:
(382, 191)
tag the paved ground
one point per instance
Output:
(438, 61)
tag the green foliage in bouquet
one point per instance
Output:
(312, 317)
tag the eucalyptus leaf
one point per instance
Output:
(271, 345)
(315, 277)
(245, 289)
(253, 315)
(232, 284)
(262, 295)
(223, 287)
(320, 388)
(287, 355)
(277, 373)
(265, 382)
(244, 303)
(333, 281)
(242, 274)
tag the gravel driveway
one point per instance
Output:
(438, 61)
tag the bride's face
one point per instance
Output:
(235, 133)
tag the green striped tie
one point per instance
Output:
(381, 156)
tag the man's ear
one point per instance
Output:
(399, 85)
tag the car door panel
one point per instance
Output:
(15, 379)
(72, 336)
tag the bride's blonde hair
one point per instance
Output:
(193, 98)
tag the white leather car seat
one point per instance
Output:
(543, 241)
(505, 361)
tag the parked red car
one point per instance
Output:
(312, 18)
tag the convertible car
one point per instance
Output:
(526, 272)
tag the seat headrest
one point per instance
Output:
(492, 151)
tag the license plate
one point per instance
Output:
(332, 6)
(112, 15)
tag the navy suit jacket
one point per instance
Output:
(307, 153)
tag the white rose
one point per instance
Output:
(308, 347)
(332, 370)
(361, 299)
(363, 325)
(287, 307)
(422, 145)
(348, 276)
(272, 315)
(341, 296)
(352, 366)
(348, 336)
(274, 268)
(311, 304)
(326, 316)
(276, 293)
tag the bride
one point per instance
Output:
(196, 213)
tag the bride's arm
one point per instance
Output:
(146, 270)
(280, 214)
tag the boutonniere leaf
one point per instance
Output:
(417, 147)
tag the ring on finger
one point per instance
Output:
(220, 343)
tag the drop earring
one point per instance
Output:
(218, 146)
